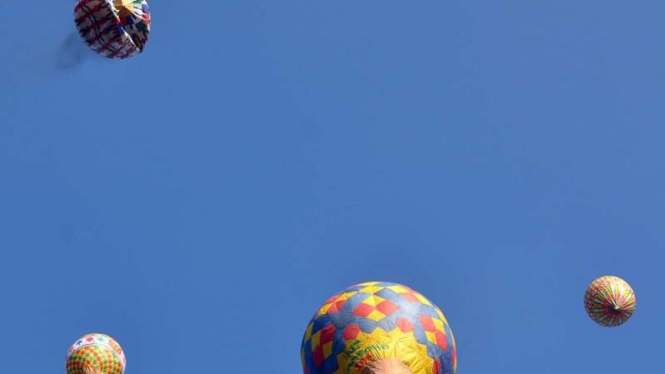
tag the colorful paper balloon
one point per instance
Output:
(609, 301)
(96, 354)
(113, 28)
(378, 327)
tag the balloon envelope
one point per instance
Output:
(609, 301)
(113, 28)
(378, 321)
(96, 351)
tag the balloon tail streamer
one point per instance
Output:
(72, 53)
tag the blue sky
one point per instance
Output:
(200, 201)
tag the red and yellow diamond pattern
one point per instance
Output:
(375, 308)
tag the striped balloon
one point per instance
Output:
(95, 354)
(609, 301)
(113, 28)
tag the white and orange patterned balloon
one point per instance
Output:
(95, 354)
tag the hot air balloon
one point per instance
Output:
(609, 301)
(113, 28)
(378, 328)
(95, 354)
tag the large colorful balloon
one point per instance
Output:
(96, 354)
(609, 301)
(378, 327)
(113, 28)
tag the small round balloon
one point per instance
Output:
(115, 29)
(609, 301)
(95, 354)
(378, 328)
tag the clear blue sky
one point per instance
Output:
(200, 201)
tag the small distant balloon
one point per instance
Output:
(378, 328)
(116, 29)
(95, 354)
(609, 301)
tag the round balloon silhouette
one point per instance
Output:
(115, 29)
(95, 354)
(378, 328)
(609, 301)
